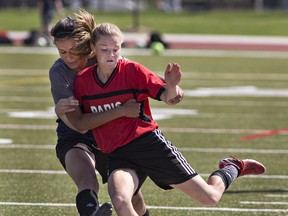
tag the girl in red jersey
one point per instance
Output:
(135, 146)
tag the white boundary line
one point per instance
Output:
(263, 203)
(218, 209)
(176, 130)
(37, 204)
(153, 207)
(168, 52)
(207, 150)
(276, 195)
(48, 172)
(25, 146)
(62, 172)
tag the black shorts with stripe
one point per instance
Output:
(154, 156)
(101, 159)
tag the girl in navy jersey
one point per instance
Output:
(135, 146)
(77, 150)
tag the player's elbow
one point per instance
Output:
(75, 121)
(79, 127)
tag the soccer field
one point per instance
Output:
(235, 104)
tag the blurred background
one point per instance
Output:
(22, 22)
(165, 5)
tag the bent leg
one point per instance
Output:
(80, 167)
(206, 194)
(230, 168)
(139, 204)
(122, 184)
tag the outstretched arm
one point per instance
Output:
(173, 94)
(86, 121)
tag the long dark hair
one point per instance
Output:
(79, 29)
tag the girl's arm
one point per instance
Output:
(172, 78)
(86, 121)
(64, 106)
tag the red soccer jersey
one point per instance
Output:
(129, 80)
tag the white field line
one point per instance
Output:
(206, 150)
(37, 204)
(195, 102)
(60, 172)
(171, 52)
(175, 130)
(200, 75)
(263, 203)
(231, 150)
(25, 99)
(217, 209)
(153, 207)
(28, 72)
(27, 127)
(20, 171)
(276, 195)
(235, 103)
(158, 114)
(236, 91)
(26, 146)
(187, 74)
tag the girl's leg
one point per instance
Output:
(206, 194)
(80, 165)
(211, 192)
(139, 204)
(122, 184)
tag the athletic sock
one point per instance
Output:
(228, 175)
(146, 213)
(87, 202)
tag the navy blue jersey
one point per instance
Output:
(62, 85)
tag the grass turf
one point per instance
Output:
(28, 90)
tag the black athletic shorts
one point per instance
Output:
(64, 145)
(154, 156)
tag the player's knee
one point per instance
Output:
(120, 201)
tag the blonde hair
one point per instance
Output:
(105, 29)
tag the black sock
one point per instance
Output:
(87, 202)
(228, 175)
(146, 213)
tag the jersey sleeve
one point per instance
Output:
(149, 83)
(59, 86)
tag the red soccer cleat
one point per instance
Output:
(245, 167)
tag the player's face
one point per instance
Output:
(74, 61)
(108, 50)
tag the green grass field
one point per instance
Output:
(227, 97)
(206, 128)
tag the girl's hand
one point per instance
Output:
(130, 108)
(65, 105)
(173, 74)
